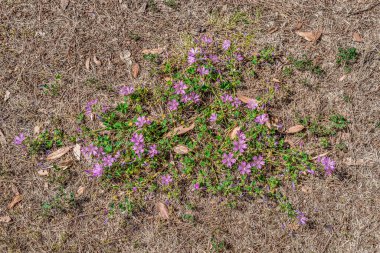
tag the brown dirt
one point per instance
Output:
(39, 39)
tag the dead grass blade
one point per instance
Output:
(96, 61)
(234, 132)
(245, 99)
(65, 164)
(135, 70)
(125, 56)
(293, 226)
(76, 151)
(80, 191)
(163, 210)
(5, 219)
(273, 30)
(7, 95)
(181, 149)
(168, 78)
(87, 64)
(321, 155)
(15, 200)
(310, 36)
(58, 153)
(36, 129)
(3, 141)
(153, 51)
(43, 172)
(295, 129)
(357, 37)
(180, 130)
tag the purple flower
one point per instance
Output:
(97, 171)
(258, 161)
(213, 117)
(276, 87)
(196, 186)
(153, 150)
(166, 179)
(236, 102)
(180, 87)
(214, 58)
(191, 59)
(195, 97)
(100, 152)
(312, 172)
(226, 45)
(141, 121)
(108, 160)
(90, 150)
(226, 98)
(193, 51)
(173, 105)
(240, 146)
(302, 219)
(252, 104)
(241, 136)
(126, 90)
(185, 98)
(245, 168)
(207, 40)
(228, 159)
(239, 57)
(203, 71)
(262, 119)
(139, 149)
(138, 140)
(89, 105)
(134, 189)
(105, 108)
(19, 139)
(328, 164)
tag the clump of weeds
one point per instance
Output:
(346, 57)
(193, 133)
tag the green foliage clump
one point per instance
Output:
(347, 57)
(54, 87)
(306, 64)
(46, 141)
(192, 134)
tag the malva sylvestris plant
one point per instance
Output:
(134, 152)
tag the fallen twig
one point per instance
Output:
(364, 10)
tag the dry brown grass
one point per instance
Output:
(38, 40)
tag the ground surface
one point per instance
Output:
(39, 39)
